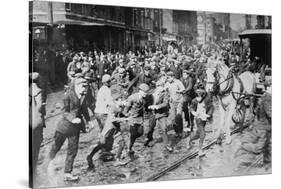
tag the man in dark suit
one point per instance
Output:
(69, 126)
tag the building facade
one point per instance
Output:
(257, 22)
(83, 26)
(180, 25)
(212, 27)
(201, 28)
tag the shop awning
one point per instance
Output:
(169, 37)
(76, 22)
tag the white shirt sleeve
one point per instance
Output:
(180, 86)
(107, 97)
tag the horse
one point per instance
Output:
(229, 88)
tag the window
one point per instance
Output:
(67, 7)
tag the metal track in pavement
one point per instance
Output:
(190, 155)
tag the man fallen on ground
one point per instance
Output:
(111, 127)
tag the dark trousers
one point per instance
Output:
(200, 132)
(72, 149)
(37, 138)
(34, 143)
(151, 128)
(175, 117)
(106, 145)
(178, 124)
(90, 98)
(161, 123)
(187, 115)
(96, 148)
(136, 131)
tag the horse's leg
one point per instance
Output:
(241, 124)
(220, 130)
(252, 107)
(228, 122)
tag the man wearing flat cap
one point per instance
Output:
(72, 67)
(188, 94)
(133, 69)
(121, 65)
(121, 79)
(70, 126)
(135, 111)
(104, 99)
(175, 90)
(160, 108)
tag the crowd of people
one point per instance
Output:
(131, 94)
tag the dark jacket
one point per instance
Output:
(73, 108)
(135, 106)
(162, 102)
(188, 93)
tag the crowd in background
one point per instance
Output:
(151, 87)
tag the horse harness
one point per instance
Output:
(230, 79)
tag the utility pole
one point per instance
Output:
(160, 28)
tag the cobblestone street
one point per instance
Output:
(219, 160)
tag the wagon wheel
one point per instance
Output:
(239, 117)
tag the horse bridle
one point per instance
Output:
(216, 84)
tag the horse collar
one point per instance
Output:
(229, 86)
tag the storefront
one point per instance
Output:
(102, 37)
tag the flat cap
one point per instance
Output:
(144, 87)
(170, 73)
(105, 78)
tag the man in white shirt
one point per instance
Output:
(104, 99)
(175, 90)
